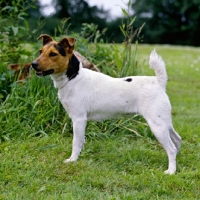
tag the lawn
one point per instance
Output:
(115, 163)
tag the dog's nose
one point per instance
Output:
(34, 65)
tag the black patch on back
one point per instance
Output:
(60, 49)
(128, 79)
(73, 69)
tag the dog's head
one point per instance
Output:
(54, 56)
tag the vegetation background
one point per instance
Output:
(121, 158)
(167, 21)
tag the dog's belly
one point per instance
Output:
(104, 116)
(111, 112)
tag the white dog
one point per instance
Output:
(88, 95)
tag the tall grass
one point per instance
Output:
(31, 109)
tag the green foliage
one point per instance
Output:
(169, 22)
(62, 29)
(129, 59)
(6, 79)
(32, 109)
(77, 11)
(120, 61)
(91, 32)
(115, 60)
(14, 29)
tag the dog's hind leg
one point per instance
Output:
(161, 132)
(78, 138)
(176, 138)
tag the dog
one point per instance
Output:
(88, 95)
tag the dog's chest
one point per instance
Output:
(70, 101)
(62, 97)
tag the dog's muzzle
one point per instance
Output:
(39, 72)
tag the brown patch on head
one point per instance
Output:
(54, 56)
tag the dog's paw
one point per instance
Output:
(71, 159)
(169, 171)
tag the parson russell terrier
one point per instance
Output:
(23, 71)
(88, 95)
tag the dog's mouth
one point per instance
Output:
(44, 73)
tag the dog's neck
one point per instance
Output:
(61, 79)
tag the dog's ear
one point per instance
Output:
(68, 42)
(46, 38)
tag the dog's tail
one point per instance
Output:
(156, 62)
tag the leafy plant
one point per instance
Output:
(91, 32)
(127, 59)
(116, 60)
(14, 28)
(61, 29)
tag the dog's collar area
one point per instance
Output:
(73, 69)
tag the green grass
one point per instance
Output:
(115, 163)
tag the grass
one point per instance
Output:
(115, 163)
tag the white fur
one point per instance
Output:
(96, 96)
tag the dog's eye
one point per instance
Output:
(52, 54)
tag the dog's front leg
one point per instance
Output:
(78, 138)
